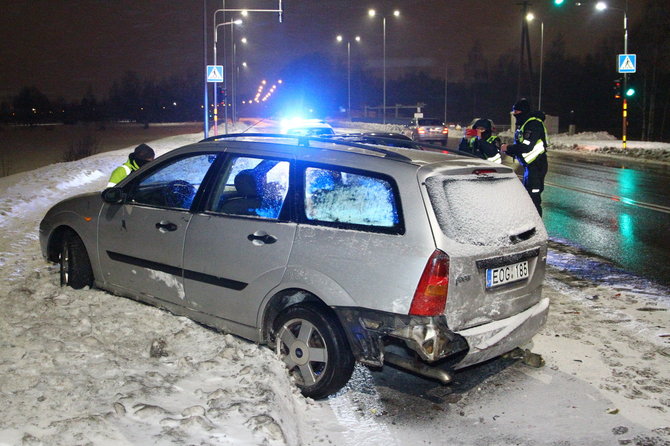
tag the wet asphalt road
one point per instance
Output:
(618, 210)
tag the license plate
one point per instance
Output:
(506, 274)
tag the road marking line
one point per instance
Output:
(624, 200)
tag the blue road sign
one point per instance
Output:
(214, 73)
(627, 63)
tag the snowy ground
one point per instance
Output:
(78, 367)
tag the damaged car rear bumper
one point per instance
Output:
(496, 338)
(369, 332)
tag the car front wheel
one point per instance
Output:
(313, 346)
(75, 267)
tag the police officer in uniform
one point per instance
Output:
(480, 141)
(530, 149)
(140, 156)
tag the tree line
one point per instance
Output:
(172, 99)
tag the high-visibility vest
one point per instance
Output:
(495, 158)
(118, 173)
(540, 145)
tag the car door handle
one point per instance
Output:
(262, 237)
(166, 226)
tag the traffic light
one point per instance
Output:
(559, 2)
(617, 88)
(630, 92)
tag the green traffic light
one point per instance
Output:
(558, 2)
(630, 92)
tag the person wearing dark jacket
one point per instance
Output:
(138, 158)
(480, 141)
(530, 149)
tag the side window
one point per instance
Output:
(251, 186)
(345, 198)
(173, 185)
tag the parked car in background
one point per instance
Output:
(330, 252)
(428, 130)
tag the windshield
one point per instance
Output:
(481, 210)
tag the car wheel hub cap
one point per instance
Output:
(300, 353)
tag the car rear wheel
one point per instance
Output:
(75, 266)
(313, 346)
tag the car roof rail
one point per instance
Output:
(304, 141)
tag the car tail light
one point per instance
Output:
(445, 130)
(430, 296)
(483, 171)
(421, 130)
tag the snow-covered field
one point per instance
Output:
(87, 367)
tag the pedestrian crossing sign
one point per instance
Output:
(627, 63)
(214, 73)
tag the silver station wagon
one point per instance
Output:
(329, 251)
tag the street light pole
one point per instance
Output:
(349, 80)
(601, 6)
(446, 74)
(235, 78)
(539, 93)
(530, 17)
(237, 83)
(234, 81)
(206, 100)
(216, 104)
(372, 13)
(384, 76)
(625, 79)
(340, 39)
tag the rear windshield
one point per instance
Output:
(479, 210)
(430, 122)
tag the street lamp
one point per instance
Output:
(373, 13)
(216, 102)
(339, 39)
(601, 6)
(530, 17)
(235, 78)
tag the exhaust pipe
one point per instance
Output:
(418, 367)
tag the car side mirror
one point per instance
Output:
(113, 195)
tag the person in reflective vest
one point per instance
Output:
(530, 149)
(138, 158)
(480, 141)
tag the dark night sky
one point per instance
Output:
(64, 46)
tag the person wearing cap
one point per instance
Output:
(481, 142)
(530, 149)
(138, 158)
